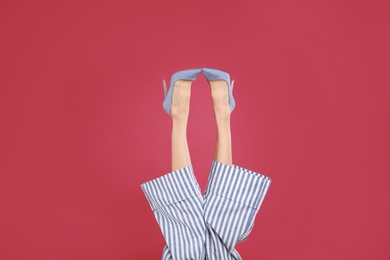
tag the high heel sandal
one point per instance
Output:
(213, 74)
(190, 74)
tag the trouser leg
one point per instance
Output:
(232, 199)
(209, 228)
(177, 204)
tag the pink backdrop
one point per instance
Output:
(82, 123)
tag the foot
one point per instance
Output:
(220, 96)
(181, 99)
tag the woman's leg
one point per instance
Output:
(233, 194)
(179, 112)
(223, 143)
(215, 246)
(175, 198)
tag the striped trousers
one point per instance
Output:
(208, 227)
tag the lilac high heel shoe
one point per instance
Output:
(190, 74)
(213, 74)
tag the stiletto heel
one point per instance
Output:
(190, 74)
(213, 74)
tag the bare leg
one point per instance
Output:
(223, 143)
(179, 112)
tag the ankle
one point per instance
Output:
(222, 112)
(179, 112)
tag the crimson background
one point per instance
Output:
(82, 124)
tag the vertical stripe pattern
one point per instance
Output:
(209, 227)
(177, 204)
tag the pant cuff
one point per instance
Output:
(172, 187)
(238, 184)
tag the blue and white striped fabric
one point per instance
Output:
(209, 227)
